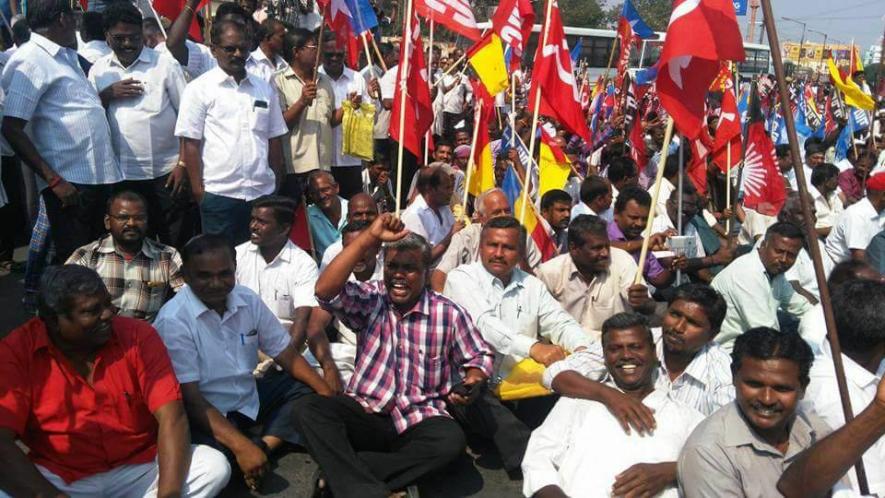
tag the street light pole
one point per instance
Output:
(802, 40)
(823, 50)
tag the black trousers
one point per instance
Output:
(361, 454)
(508, 424)
(171, 219)
(349, 179)
(78, 225)
(13, 219)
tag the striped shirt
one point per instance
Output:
(139, 286)
(404, 364)
(46, 87)
(705, 385)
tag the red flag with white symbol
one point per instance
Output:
(418, 108)
(728, 131)
(457, 15)
(697, 168)
(513, 22)
(625, 40)
(554, 78)
(700, 35)
(761, 181)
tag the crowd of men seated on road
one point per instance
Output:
(183, 339)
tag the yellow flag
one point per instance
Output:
(487, 59)
(554, 170)
(854, 96)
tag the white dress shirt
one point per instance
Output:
(455, 99)
(822, 394)
(234, 122)
(667, 189)
(705, 385)
(349, 82)
(220, 352)
(260, 65)
(662, 223)
(581, 447)
(142, 128)
(94, 50)
(514, 317)
(854, 229)
(46, 87)
(754, 226)
(335, 249)
(421, 219)
(753, 298)
(582, 208)
(827, 210)
(285, 284)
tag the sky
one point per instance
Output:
(863, 20)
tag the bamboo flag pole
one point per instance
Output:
(471, 164)
(811, 234)
(728, 184)
(643, 254)
(535, 110)
(430, 88)
(378, 54)
(368, 59)
(403, 74)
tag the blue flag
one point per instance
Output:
(576, 52)
(632, 16)
(362, 16)
(843, 143)
(511, 187)
(802, 127)
(647, 76)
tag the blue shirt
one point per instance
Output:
(323, 232)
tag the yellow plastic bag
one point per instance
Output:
(357, 127)
(523, 382)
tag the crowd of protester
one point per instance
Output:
(185, 335)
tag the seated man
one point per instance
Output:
(631, 218)
(360, 207)
(336, 360)
(744, 447)
(464, 248)
(859, 223)
(556, 207)
(859, 313)
(692, 368)
(139, 273)
(328, 213)
(581, 451)
(801, 275)
(755, 288)
(594, 281)
(429, 214)
(520, 319)
(94, 399)
(827, 203)
(596, 198)
(213, 330)
(391, 426)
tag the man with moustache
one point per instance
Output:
(556, 206)
(692, 368)
(139, 273)
(520, 319)
(327, 214)
(390, 427)
(580, 450)
(94, 398)
(744, 448)
(213, 330)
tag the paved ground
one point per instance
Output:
(475, 474)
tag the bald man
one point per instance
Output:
(361, 207)
(464, 247)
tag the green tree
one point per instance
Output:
(577, 13)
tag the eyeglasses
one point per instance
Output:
(135, 218)
(232, 49)
(334, 55)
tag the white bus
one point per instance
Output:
(597, 46)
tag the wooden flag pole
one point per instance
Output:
(471, 164)
(316, 63)
(430, 88)
(728, 184)
(403, 74)
(368, 59)
(811, 234)
(535, 111)
(378, 54)
(643, 253)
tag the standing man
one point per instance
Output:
(308, 103)
(68, 142)
(348, 86)
(594, 281)
(391, 426)
(744, 447)
(265, 61)
(141, 90)
(519, 319)
(232, 129)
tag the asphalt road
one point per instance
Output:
(477, 473)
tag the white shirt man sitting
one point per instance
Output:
(519, 318)
(429, 214)
(859, 223)
(582, 450)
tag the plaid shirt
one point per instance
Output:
(138, 287)
(404, 364)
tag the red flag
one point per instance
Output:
(625, 40)
(457, 15)
(513, 22)
(553, 73)
(300, 232)
(697, 168)
(728, 131)
(638, 152)
(700, 35)
(170, 9)
(418, 109)
(763, 185)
